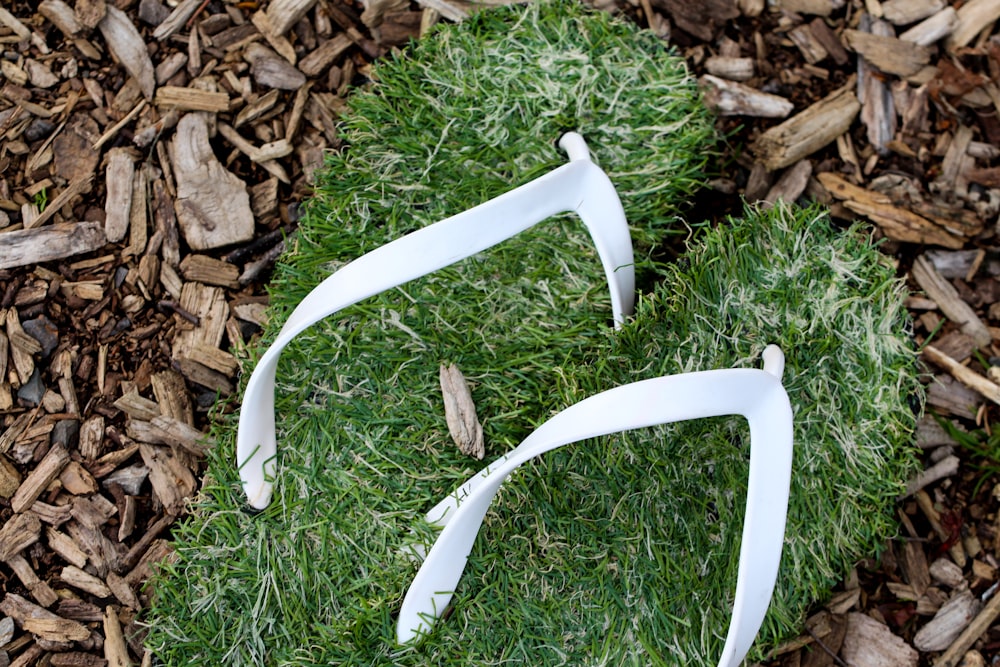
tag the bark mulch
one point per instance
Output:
(152, 159)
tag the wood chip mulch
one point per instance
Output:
(152, 159)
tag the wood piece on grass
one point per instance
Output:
(79, 579)
(972, 632)
(39, 590)
(963, 374)
(63, 545)
(115, 650)
(889, 54)
(35, 483)
(10, 478)
(320, 59)
(791, 184)
(172, 481)
(42, 622)
(17, 533)
(896, 223)
(460, 412)
(209, 270)
(274, 38)
(869, 642)
(129, 49)
(33, 246)
(283, 14)
(905, 12)
(271, 70)
(973, 17)
(735, 99)
(191, 99)
(212, 206)
(946, 467)
(947, 298)
(731, 69)
(932, 29)
(808, 131)
(176, 20)
(118, 183)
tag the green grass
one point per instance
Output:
(619, 551)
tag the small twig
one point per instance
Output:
(833, 654)
(173, 306)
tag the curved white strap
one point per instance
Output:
(755, 394)
(579, 186)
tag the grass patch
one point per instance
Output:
(619, 551)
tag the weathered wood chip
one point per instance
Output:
(18, 533)
(61, 16)
(115, 651)
(177, 18)
(948, 623)
(889, 54)
(63, 544)
(118, 183)
(808, 131)
(34, 246)
(39, 590)
(283, 14)
(730, 98)
(172, 481)
(10, 478)
(322, 57)
(40, 621)
(869, 643)
(191, 99)
(460, 412)
(905, 12)
(90, 12)
(947, 298)
(935, 28)
(271, 70)
(973, 16)
(39, 478)
(209, 270)
(77, 578)
(129, 49)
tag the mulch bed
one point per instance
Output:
(152, 161)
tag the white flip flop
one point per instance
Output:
(755, 394)
(579, 186)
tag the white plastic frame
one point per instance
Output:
(579, 186)
(755, 394)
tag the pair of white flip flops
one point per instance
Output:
(583, 188)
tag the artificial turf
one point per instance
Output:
(618, 551)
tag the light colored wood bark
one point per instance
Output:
(869, 643)
(212, 207)
(460, 412)
(129, 49)
(889, 54)
(932, 29)
(973, 17)
(35, 483)
(19, 532)
(807, 132)
(945, 295)
(730, 98)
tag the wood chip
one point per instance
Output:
(39, 590)
(115, 650)
(460, 412)
(118, 182)
(40, 621)
(61, 16)
(969, 378)
(320, 59)
(870, 643)
(191, 99)
(947, 298)
(213, 206)
(18, 533)
(905, 12)
(283, 14)
(730, 98)
(172, 481)
(65, 547)
(43, 474)
(34, 246)
(792, 183)
(896, 222)
(807, 132)
(889, 54)
(70, 192)
(129, 49)
(177, 18)
(933, 29)
(973, 16)
(77, 578)
(975, 629)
